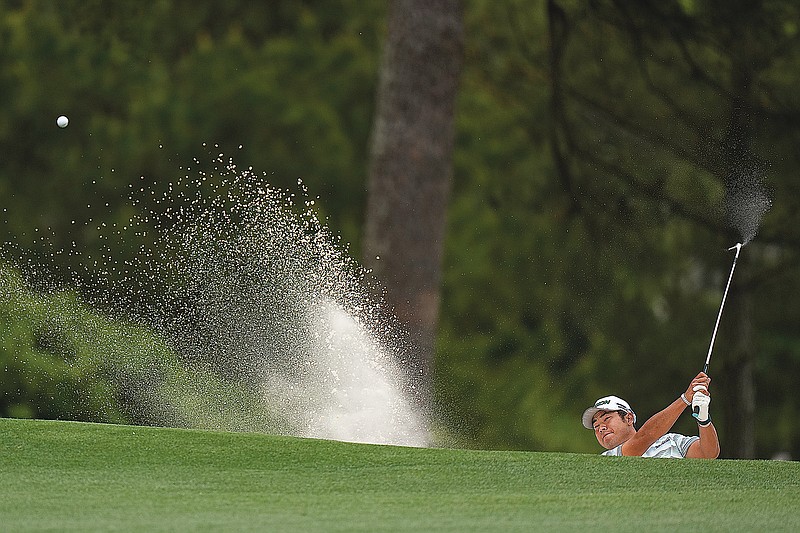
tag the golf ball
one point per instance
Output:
(62, 121)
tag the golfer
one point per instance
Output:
(612, 420)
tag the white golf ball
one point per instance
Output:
(62, 121)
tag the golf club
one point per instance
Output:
(738, 248)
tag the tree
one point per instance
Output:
(285, 87)
(411, 166)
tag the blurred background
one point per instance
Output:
(584, 252)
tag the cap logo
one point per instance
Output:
(603, 402)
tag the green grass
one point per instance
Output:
(81, 477)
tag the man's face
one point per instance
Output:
(612, 428)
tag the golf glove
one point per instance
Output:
(700, 404)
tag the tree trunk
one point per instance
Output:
(411, 166)
(738, 435)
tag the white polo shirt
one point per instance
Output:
(671, 445)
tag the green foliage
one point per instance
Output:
(586, 241)
(63, 360)
(283, 87)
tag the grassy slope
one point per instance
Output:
(73, 476)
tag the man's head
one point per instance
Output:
(612, 420)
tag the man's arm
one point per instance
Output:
(708, 445)
(660, 423)
(656, 427)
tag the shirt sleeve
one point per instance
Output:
(682, 442)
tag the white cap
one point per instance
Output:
(607, 403)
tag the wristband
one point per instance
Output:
(683, 397)
(705, 422)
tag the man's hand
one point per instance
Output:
(701, 380)
(700, 403)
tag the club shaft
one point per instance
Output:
(721, 306)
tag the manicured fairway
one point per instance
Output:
(66, 476)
